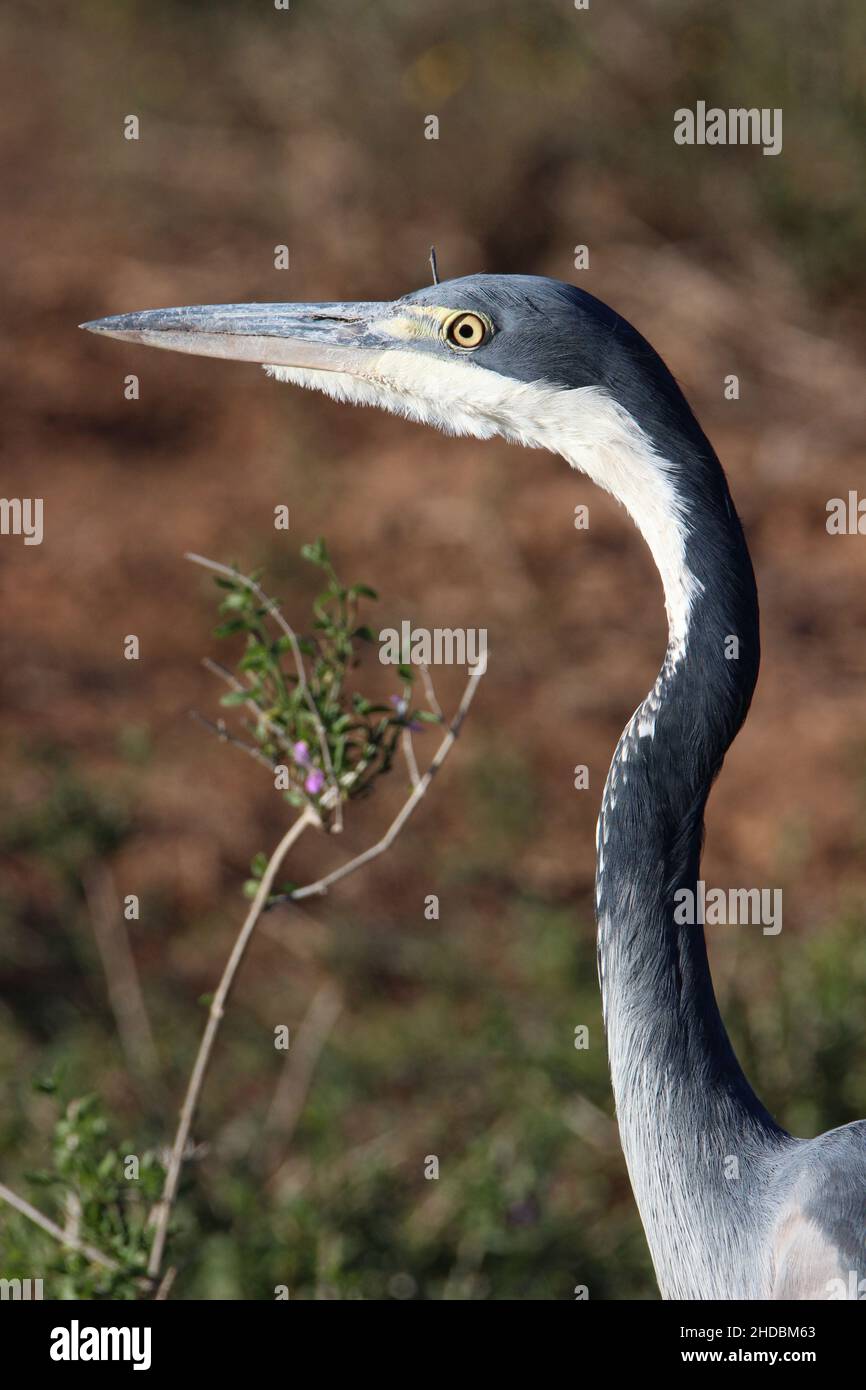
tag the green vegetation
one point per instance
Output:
(456, 1042)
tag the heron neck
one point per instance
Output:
(685, 1108)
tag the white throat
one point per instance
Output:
(585, 425)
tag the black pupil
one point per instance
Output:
(466, 330)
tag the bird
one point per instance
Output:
(732, 1206)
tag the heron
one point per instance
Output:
(733, 1207)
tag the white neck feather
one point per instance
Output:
(586, 426)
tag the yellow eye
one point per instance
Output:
(465, 330)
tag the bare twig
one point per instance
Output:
(322, 885)
(427, 682)
(591, 1123)
(65, 1238)
(217, 669)
(162, 1212)
(309, 936)
(166, 1282)
(273, 609)
(385, 1147)
(218, 727)
(406, 746)
(72, 1206)
(409, 754)
(121, 976)
(294, 1083)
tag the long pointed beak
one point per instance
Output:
(327, 337)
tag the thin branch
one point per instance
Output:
(162, 1212)
(591, 1123)
(385, 1147)
(305, 944)
(294, 1084)
(164, 1289)
(72, 1206)
(64, 1238)
(121, 977)
(409, 754)
(217, 669)
(406, 745)
(427, 682)
(218, 728)
(322, 885)
(273, 609)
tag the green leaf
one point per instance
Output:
(107, 1166)
(239, 598)
(426, 716)
(365, 633)
(254, 658)
(259, 864)
(235, 697)
(362, 589)
(317, 553)
(40, 1177)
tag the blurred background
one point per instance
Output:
(411, 1037)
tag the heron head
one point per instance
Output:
(537, 361)
(480, 355)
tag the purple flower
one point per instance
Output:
(315, 781)
(402, 707)
(301, 754)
